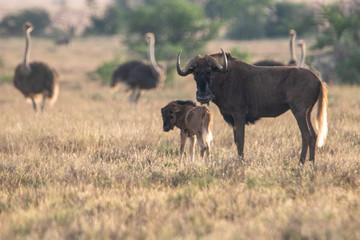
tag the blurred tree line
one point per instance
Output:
(188, 24)
(185, 23)
(11, 24)
(177, 21)
(340, 33)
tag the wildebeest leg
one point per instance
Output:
(206, 150)
(313, 135)
(182, 145)
(239, 133)
(34, 103)
(202, 144)
(305, 134)
(192, 148)
(43, 103)
(207, 144)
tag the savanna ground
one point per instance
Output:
(93, 167)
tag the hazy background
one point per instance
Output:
(93, 166)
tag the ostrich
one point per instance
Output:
(140, 75)
(35, 79)
(302, 63)
(302, 46)
(292, 61)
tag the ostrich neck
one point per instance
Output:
(292, 48)
(152, 60)
(25, 64)
(302, 57)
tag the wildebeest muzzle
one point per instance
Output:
(166, 128)
(204, 96)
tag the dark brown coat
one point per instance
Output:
(193, 121)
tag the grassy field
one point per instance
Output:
(93, 167)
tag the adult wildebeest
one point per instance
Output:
(193, 121)
(245, 93)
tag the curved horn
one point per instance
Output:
(215, 63)
(186, 70)
(226, 64)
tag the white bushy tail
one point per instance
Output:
(209, 137)
(207, 123)
(321, 119)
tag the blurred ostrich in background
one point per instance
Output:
(302, 63)
(140, 75)
(302, 46)
(36, 80)
(292, 61)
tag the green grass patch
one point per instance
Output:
(104, 71)
(6, 78)
(168, 149)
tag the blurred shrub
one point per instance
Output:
(341, 32)
(288, 15)
(244, 19)
(111, 23)
(12, 24)
(104, 71)
(6, 78)
(240, 29)
(177, 25)
(221, 9)
(244, 56)
(349, 69)
(249, 19)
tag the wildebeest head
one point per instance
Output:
(170, 110)
(202, 69)
(168, 116)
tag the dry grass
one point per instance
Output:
(92, 167)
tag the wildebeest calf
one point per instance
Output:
(193, 121)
